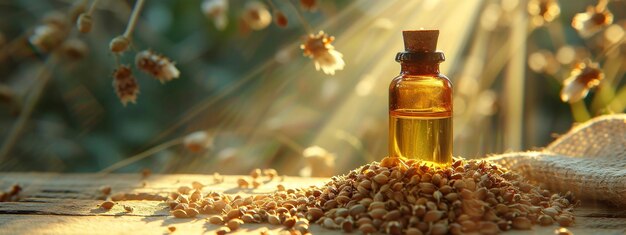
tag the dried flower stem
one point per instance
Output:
(305, 24)
(40, 84)
(272, 6)
(133, 18)
(580, 111)
(141, 155)
(602, 4)
(92, 8)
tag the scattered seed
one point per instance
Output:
(107, 205)
(521, 223)
(222, 231)
(180, 213)
(216, 219)
(255, 173)
(234, 224)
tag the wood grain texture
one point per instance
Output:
(68, 204)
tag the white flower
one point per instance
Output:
(156, 65)
(593, 20)
(584, 76)
(256, 15)
(217, 10)
(323, 53)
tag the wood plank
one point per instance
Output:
(68, 204)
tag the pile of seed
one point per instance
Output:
(394, 197)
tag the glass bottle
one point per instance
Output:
(420, 102)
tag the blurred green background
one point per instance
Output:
(263, 102)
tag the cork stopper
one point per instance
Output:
(420, 40)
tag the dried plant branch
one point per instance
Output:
(141, 155)
(93, 6)
(304, 23)
(43, 77)
(133, 18)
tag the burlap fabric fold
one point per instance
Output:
(590, 161)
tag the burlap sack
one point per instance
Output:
(590, 161)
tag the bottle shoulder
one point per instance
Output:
(438, 80)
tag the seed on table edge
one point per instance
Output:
(216, 219)
(413, 231)
(313, 214)
(233, 213)
(329, 223)
(289, 222)
(347, 226)
(242, 183)
(357, 209)
(191, 212)
(234, 224)
(521, 223)
(273, 219)
(222, 230)
(545, 220)
(255, 173)
(171, 229)
(128, 208)
(564, 221)
(255, 184)
(248, 218)
(107, 205)
(303, 228)
(489, 227)
(179, 213)
(367, 229)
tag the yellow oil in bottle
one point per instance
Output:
(420, 102)
(428, 138)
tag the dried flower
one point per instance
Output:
(119, 44)
(319, 48)
(584, 76)
(217, 11)
(49, 35)
(198, 141)
(156, 65)
(309, 5)
(543, 11)
(84, 23)
(125, 85)
(256, 15)
(590, 22)
(280, 19)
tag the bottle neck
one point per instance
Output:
(422, 68)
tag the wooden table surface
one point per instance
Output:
(68, 204)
